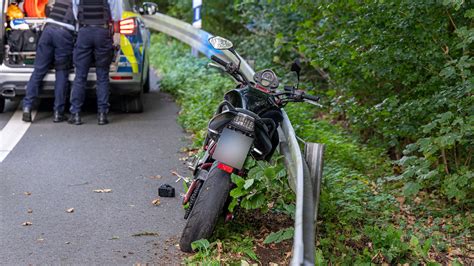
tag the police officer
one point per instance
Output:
(94, 43)
(55, 46)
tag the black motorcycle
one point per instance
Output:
(245, 124)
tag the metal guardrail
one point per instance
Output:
(194, 37)
(304, 173)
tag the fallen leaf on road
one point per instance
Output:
(27, 193)
(156, 202)
(29, 211)
(27, 223)
(156, 177)
(106, 190)
(146, 234)
(70, 210)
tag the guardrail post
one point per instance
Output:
(314, 156)
(197, 20)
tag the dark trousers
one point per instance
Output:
(93, 44)
(55, 46)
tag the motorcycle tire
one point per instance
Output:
(206, 210)
(193, 198)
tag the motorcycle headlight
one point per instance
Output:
(244, 122)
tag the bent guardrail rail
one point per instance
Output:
(304, 173)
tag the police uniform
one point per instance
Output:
(94, 44)
(55, 46)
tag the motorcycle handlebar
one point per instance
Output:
(300, 95)
(311, 97)
(218, 60)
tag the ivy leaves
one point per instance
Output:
(264, 183)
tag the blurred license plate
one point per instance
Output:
(232, 148)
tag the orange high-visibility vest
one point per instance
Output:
(35, 8)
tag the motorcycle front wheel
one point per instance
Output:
(206, 210)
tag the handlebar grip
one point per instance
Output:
(218, 60)
(311, 97)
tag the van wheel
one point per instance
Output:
(146, 74)
(132, 104)
(146, 83)
(2, 104)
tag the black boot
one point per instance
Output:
(102, 118)
(26, 114)
(75, 119)
(59, 117)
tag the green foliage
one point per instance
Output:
(201, 244)
(204, 253)
(264, 183)
(229, 245)
(397, 72)
(282, 235)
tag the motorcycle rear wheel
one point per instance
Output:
(208, 207)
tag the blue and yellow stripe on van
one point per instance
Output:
(131, 47)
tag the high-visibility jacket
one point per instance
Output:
(35, 8)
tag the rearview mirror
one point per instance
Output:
(220, 43)
(296, 66)
(147, 8)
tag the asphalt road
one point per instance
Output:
(56, 167)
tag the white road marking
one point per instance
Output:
(12, 133)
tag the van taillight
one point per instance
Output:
(127, 26)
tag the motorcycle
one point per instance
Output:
(245, 124)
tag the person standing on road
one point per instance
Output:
(55, 46)
(94, 43)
